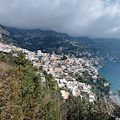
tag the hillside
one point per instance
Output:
(32, 86)
(49, 41)
(25, 97)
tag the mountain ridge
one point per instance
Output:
(60, 43)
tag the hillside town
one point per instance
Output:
(63, 70)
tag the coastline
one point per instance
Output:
(112, 95)
(114, 98)
(99, 67)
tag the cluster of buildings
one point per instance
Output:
(62, 70)
(9, 48)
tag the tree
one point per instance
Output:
(13, 104)
(116, 111)
(81, 109)
(11, 95)
(98, 111)
(64, 57)
(20, 60)
(76, 109)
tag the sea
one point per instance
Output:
(111, 71)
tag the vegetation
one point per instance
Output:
(117, 111)
(24, 97)
(64, 57)
(50, 84)
(97, 87)
(81, 109)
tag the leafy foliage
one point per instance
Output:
(22, 93)
(81, 109)
(24, 97)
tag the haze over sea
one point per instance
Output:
(111, 71)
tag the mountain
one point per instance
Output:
(49, 41)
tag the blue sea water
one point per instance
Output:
(111, 71)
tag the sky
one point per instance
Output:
(92, 18)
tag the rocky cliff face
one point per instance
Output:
(3, 31)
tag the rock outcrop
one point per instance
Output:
(3, 31)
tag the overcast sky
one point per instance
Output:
(92, 18)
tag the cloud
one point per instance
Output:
(98, 18)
